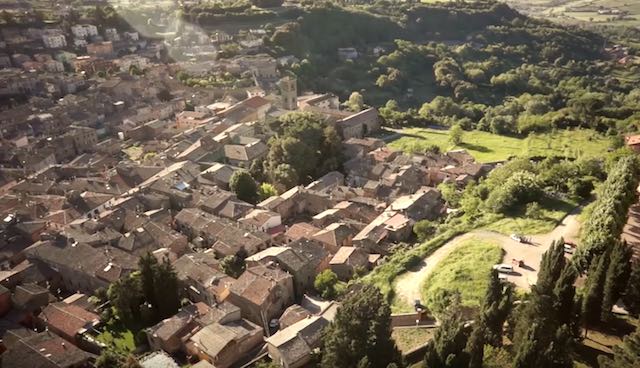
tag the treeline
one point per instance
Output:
(604, 225)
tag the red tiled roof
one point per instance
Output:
(68, 318)
(255, 102)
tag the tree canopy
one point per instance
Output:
(360, 335)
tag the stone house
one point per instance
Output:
(168, 334)
(335, 236)
(201, 278)
(224, 344)
(303, 259)
(68, 321)
(262, 293)
(292, 347)
(347, 261)
(261, 220)
(44, 349)
(359, 124)
(82, 267)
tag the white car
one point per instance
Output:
(517, 238)
(569, 249)
(504, 268)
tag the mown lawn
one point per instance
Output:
(488, 147)
(465, 270)
(411, 337)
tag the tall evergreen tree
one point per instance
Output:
(360, 333)
(631, 295)
(594, 288)
(166, 289)
(497, 306)
(551, 266)
(617, 277)
(543, 336)
(564, 292)
(447, 348)
(529, 349)
(488, 327)
(475, 345)
(147, 264)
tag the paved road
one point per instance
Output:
(408, 285)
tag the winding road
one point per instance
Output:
(408, 286)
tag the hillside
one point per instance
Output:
(490, 67)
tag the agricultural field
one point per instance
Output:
(488, 147)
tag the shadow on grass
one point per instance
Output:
(475, 147)
(588, 355)
(617, 328)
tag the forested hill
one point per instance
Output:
(481, 65)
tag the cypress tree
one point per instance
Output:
(166, 284)
(592, 300)
(475, 346)
(617, 277)
(631, 295)
(565, 292)
(528, 350)
(447, 348)
(543, 335)
(360, 333)
(551, 266)
(497, 306)
(148, 264)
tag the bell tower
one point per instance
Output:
(289, 92)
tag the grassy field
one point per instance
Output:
(410, 338)
(384, 275)
(466, 270)
(119, 337)
(553, 211)
(488, 147)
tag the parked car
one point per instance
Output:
(520, 238)
(569, 249)
(505, 268)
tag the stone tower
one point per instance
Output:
(289, 92)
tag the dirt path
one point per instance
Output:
(408, 286)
